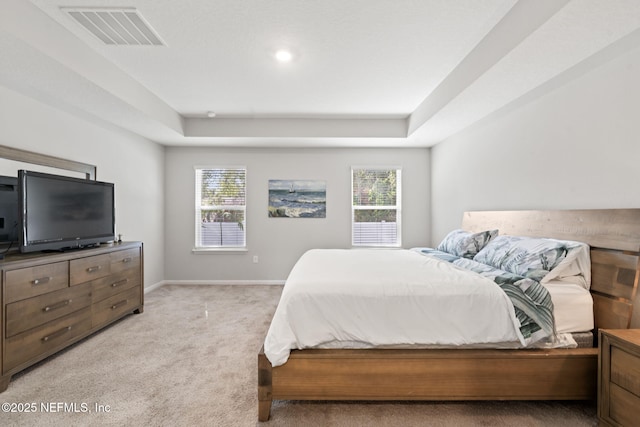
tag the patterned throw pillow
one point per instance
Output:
(464, 243)
(530, 257)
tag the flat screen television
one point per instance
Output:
(61, 212)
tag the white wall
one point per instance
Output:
(576, 147)
(279, 242)
(134, 164)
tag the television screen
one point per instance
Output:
(59, 212)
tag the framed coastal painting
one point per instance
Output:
(293, 198)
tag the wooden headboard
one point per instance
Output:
(614, 237)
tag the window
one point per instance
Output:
(375, 219)
(221, 207)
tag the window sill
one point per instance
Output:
(379, 246)
(207, 251)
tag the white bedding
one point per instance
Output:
(386, 297)
(572, 306)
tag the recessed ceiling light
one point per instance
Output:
(211, 114)
(283, 55)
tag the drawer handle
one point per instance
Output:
(42, 280)
(118, 304)
(119, 282)
(127, 259)
(94, 269)
(57, 334)
(58, 305)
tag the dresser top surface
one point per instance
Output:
(630, 335)
(15, 260)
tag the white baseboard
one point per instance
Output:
(154, 286)
(213, 283)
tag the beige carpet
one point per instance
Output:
(190, 360)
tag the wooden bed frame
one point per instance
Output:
(457, 374)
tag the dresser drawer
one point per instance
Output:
(89, 268)
(22, 348)
(32, 312)
(29, 282)
(625, 370)
(623, 406)
(125, 260)
(116, 283)
(115, 306)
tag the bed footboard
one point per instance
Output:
(560, 374)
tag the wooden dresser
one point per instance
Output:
(50, 301)
(619, 377)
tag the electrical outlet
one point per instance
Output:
(255, 259)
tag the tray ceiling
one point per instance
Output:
(362, 72)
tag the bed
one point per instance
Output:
(460, 373)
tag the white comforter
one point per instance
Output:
(378, 297)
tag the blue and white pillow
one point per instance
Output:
(464, 243)
(530, 257)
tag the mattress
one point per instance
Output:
(573, 313)
(363, 298)
(572, 307)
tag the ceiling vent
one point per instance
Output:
(121, 26)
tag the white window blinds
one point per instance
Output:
(220, 207)
(376, 206)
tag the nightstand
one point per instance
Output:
(619, 377)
